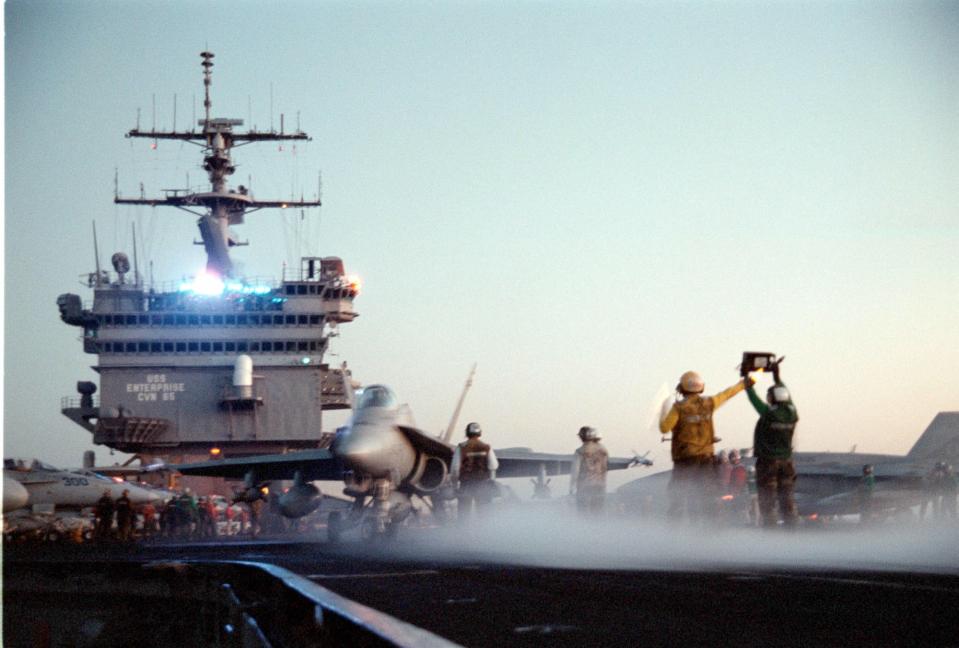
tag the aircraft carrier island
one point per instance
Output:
(217, 361)
(224, 368)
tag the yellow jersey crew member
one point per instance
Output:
(587, 475)
(474, 469)
(690, 420)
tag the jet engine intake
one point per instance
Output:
(430, 474)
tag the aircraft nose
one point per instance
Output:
(364, 449)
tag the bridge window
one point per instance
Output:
(132, 320)
(230, 346)
(314, 320)
(194, 320)
(291, 290)
(143, 347)
(181, 347)
(254, 320)
(231, 320)
(218, 347)
(290, 320)
(181, 320)
(156, 320)
(205, 320)
(217, 320)
(301, 290)
(290, 346)
(155, 347)
(241, 320)
(168, 347)
(267, 347)
(193, 347)
(255, 347)
(168, 320)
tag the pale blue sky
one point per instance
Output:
(585, 199)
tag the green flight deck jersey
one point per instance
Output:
(773, 438)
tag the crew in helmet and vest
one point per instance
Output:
(587, 475)
(773, 449)
(690, 420)
(473, 468)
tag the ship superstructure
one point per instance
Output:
(215, 361)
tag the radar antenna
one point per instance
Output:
(221, 206)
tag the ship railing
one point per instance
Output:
(74, 402)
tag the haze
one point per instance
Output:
(585, 199)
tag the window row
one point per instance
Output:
(197, 319)
(319, 289)
(230, 346)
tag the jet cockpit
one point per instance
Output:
(28, 465)
(378, 396)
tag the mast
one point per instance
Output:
(221, 206)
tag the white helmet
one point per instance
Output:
(691, 383)
(778, 394)
(587, 433)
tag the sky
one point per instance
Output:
(585, 199)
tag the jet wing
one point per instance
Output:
(312, 465)
(523, 462)
(428, 444)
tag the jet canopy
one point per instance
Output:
(28, 465)
(376, 396)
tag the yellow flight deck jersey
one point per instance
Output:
(691, 422)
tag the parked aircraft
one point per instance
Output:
(14, 495)
(384, 460)
(50, 487)
(827, 482)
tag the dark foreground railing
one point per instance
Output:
(229, 604)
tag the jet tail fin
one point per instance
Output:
(940, 441)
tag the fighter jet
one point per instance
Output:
(827, 482)
(384, 460)
(53, 488)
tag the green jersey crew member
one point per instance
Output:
(773, 449)
(691, 421)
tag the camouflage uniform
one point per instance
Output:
(588, 477)
(772, 447)
(693, 480)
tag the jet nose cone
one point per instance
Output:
(371, 449)
(14, 495)
(359, 448)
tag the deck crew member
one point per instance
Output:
(104, 514)
(587, 475)
(124, 509)
(473, 468)
(773, 449)
(690, 420)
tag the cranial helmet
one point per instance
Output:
(778, 394)
(473, 430)
(691, 383)
(587, 433)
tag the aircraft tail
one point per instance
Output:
(940, 441)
